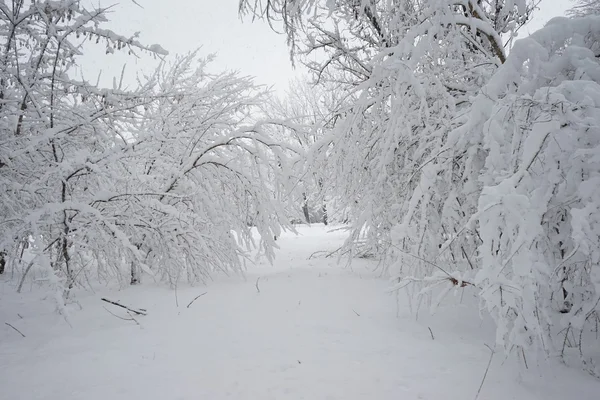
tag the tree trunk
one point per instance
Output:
(2, 261)
(305, 209)
(67, 259)
(135, 270)
(325, 215)
(135, 274)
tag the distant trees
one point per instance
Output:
(110, 184)
(313, 109)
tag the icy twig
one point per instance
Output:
(24, 276)
(315, 253)
(133, 319)
(21, 333)
(196, 298)
(115, 315)
(141, 311)
(486, 371)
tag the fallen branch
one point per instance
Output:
(431, 281)
(196, 298)
(24, 276)
(140, 311)
(21, 333)
(257, 288)
(430, 331)
(486, 371)
(357, 314)
(331, 253)
(315, 253)
(115, 315)
(327, 252)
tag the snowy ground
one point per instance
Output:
(314, 331)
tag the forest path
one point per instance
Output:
(301, 329)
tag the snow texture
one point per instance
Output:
(314, 331)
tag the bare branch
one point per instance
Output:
(195, 298)
(21, 333)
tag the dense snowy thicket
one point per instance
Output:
(457, 163)
(461, 166)
(409, 90)
(538, 124)
(102, 184)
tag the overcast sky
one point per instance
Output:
(214, 26)
(181, 26)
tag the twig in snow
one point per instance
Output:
(315, 253)
(195, 298)
(140, 311)
(356, 312)
(21, 333)
(343, 228)
(257, 288)
(327, 253)
(486, 371)
(430, 331)
(331, 253)
(137, 4)
(133, 319)
(118, 316)
(24, 276)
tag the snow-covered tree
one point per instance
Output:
(584, 7)
(538, 124)
(209, 168)
(464, 166)
(411, 68)
(58, 135)
(108, 183)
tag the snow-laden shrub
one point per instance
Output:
(538, 123)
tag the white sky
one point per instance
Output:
(181, 26)
(214, 26)
(548, 9)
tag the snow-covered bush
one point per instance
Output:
(538, 123)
